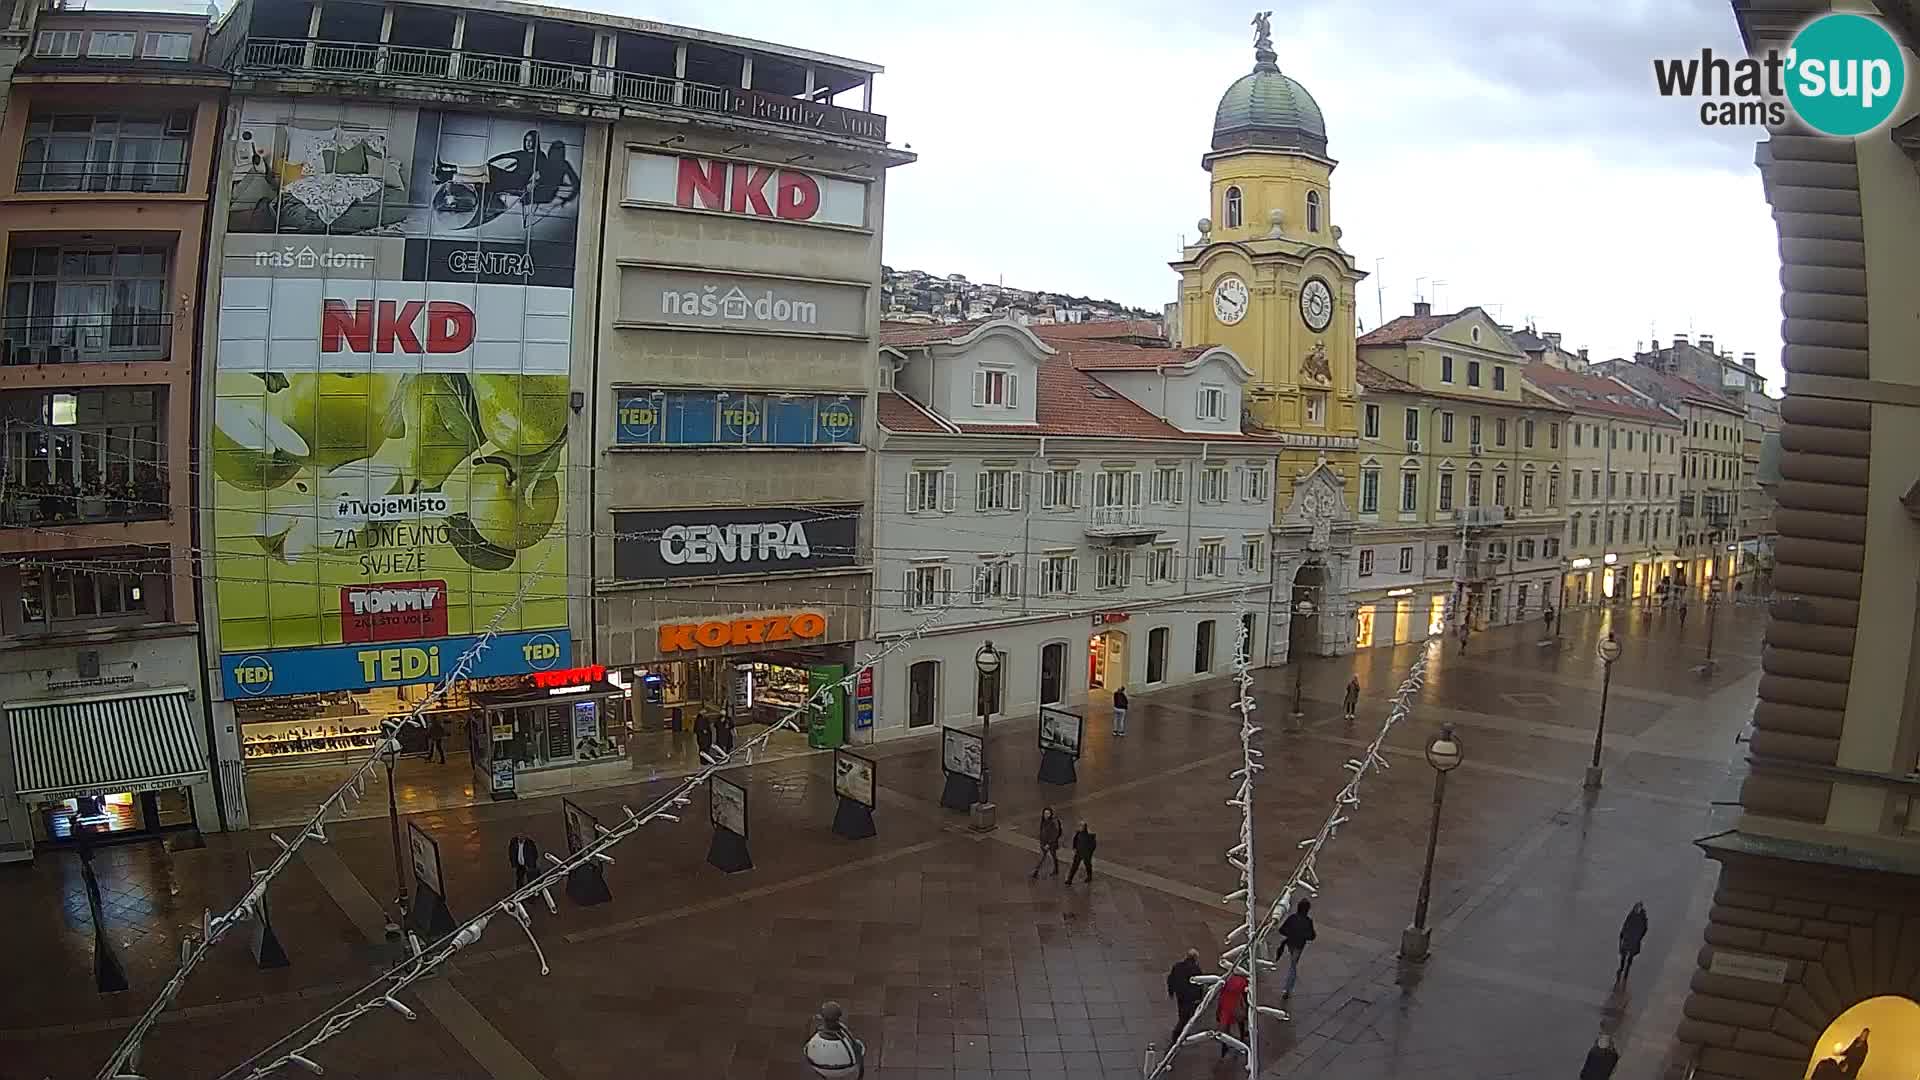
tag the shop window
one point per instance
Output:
(923, 689)
(1053, 672)
(1157, 639)
(1248, 626)
(1203, 647)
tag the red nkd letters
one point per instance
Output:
(737, 188)
(390, 326)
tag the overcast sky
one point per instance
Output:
(1514, 149)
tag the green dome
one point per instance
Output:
(1266, 109)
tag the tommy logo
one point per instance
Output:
(393, 611)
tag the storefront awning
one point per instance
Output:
(141, 741)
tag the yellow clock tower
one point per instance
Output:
(1269, 280)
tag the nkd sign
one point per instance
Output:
(746, 188)
(652, 296)
(651, 545)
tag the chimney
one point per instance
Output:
(1678, 340)
(1746, 359)
(1553, 338)
(1422, 309)
(1706, 342)
(1583, 354)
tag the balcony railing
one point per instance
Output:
(71, 339)
(1117, 522)
(129, 176)
(407, 63)
(41, 505)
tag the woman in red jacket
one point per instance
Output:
(1232, 1010)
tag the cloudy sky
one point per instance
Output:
(1514, 149)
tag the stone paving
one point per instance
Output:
(953, 963)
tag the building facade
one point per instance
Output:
(1818, 906)
(477, 262)
(1461, 496)
(1094, 511)
(1622, 489)
(1269, 280)
(111, 121)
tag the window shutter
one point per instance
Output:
(1136, 485)
(946, 584)
(1073, 575)
(1074, 501)
(982, 488)
(1013, 581)
(1179, 486)
(908, 600)
(1013, 389)
(979, 387)
(947, 486)
(915, 492)
(1016, 488)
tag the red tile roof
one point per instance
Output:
(1374, 379)
(907, 335)
(1406, 328)
(1107, 356)
(1672, 384)
(1592, 393)
(1102, 330)
(899, 413)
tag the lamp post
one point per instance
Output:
(1713, 608)
(1609, 651)
(1303, 609)
(987, 663)
(1444, 754)
(390, 754)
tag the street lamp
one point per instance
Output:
(1713, 608)
(987, 663)
(1609, 651)
(833, 1052)
(1444, 754)
(1303, 609)
(390, 754)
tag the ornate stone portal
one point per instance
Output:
(1312, 544)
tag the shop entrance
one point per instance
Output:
(1309, 595)
(1053, 670)
(1107, 660)
(923, 693)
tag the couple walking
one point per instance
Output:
(1084, 843)
(1296, 932)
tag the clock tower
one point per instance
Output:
(1269, 280)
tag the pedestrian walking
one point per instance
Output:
(1120, 711)
(1084, 843)
(1683, 611)
(1049, 843)
(1463, 637)
(1546, 617)
(437, 738)
(1601, 1059)
(1353, 697)
(1231, 1014)
(1186, 993)
(703, 737)
(1296, 931)
(1632, 932)
(723, 733)
(524, 856)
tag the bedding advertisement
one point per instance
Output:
(392, 393)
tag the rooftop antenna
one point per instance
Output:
(1436, 291)
(1379, 293)
(1417, 294)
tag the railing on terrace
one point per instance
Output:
(130, 176)
(412, 63)
(70, 339)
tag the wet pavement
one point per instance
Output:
(952, 962)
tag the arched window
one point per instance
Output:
(1233, 208)
(1313, 211)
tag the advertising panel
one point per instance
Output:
(691, 300)
(853, 778)
(722, 418)
(746, 188)
(1060, 730)
(727, 805)
(960, 752)
(391, 392)
(665, 544)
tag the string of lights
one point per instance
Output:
(1245, 949)
(195, 947)
(381, 993)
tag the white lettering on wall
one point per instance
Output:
(773, 541)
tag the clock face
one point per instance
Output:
(1230, 300)
(1316, 304)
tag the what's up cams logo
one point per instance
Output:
(1843, 75)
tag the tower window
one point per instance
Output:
(1313, 211)
(1233, 208)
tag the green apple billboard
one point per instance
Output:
(391, 395)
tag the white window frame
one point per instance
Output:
(996, 388)
(997, 489)
(1253, 554)
(1210, 557)
(1059, 573)
(1366, 562)
(1169, 485)
(1213, 484)
(1211, 403)
(180, 46)
(1410, 425)
(1406, 560)
(996, 578)
(1114, 569)
(1061, 489)
(1371, 416)
(1163, 564)
(928, 585)
(59, 44)
(1443, 496)
(1369, 491)
(930, 490)
(101, 41)
(1256, 483)
(1409, 491)
(1314, 408)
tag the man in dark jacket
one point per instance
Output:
(1083, 844)
(1632, 932)
(1049, 843)
(1601, 1059)
(437, 739)
(524, 855)
(1296, 930)
(1186, 993)
(1353, 697)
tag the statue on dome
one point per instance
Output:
(1263, 30)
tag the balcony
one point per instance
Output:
(448, 68)
(79, 339)
(1120, 525)
(36, 505)
(132, 177)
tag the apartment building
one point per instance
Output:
(1461, 495)
(1623, 475)
(532, 322)
(111, 123)
(1094, 508)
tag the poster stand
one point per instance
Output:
(587, 884)
(855, 782)
(853, 820)
(267, 950)
(429, 916)
(727, 809)
(960, 757)
(1061, 734)
(728, 851)
(961, 792)
(1057, 767)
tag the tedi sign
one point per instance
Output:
(670, 544)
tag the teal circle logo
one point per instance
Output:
(1845, 74)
